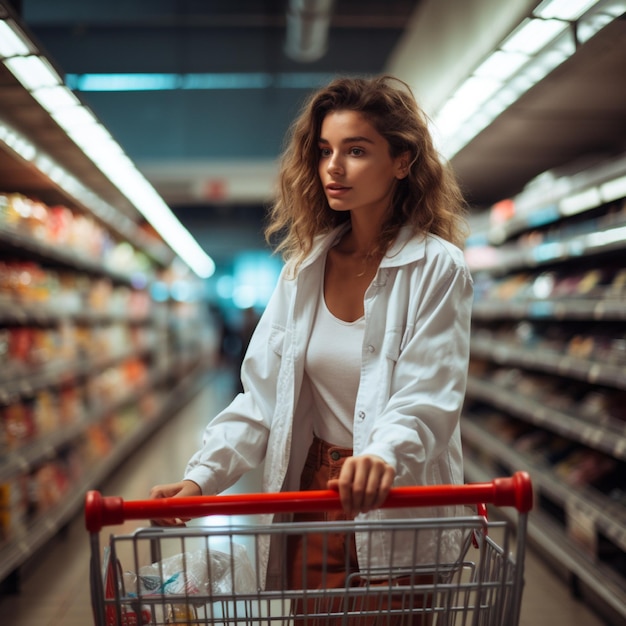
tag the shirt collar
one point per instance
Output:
(408, 246)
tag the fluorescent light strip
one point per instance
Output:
(563, 9)
(12, 42)
(540, 44)
(55, 98)
(33, 72)
(198, 82)
(533, 35)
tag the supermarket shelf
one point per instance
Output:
(549, 361)
(11, 238)
(511, 257)
(47, 446)
(549, 540)
(18, 174)
(606, 516)
(15, 385)
(604, 438)
(534, 208)
(18, 549)
(45, 314)
(599, 309)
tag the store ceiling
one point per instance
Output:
(186, 140)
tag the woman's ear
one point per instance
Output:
(402, 166)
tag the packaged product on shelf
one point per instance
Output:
(18, 423)
(46, 346)
(584, 466)
(20, 346)
(138, 304)
(13, 506)
(618, 284)
(123, 422)
(59, 225)
(99, 297)
(98, 444)
(46, 411)
(71, 403)
(5, 350)
(49, 484)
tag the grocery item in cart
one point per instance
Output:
(200, 572)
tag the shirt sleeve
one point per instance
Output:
(235, 441)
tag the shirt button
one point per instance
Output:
(361, 415)
(335, 455)
(371, 348)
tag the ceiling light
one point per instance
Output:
(54, 98)
(33, 72)
(205, 81)
(12, 42)
(74, 118)
(596, 20)
(563, 9)
(533, 35)
(501, 65)
(538, 46)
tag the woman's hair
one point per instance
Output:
(428, 199)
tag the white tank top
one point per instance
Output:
(333, 365)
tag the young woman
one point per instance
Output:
(355, 376)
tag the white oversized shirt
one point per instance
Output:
(413, 375)
(332, 365)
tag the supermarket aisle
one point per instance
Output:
(55, 590)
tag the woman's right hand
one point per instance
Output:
(181, 489)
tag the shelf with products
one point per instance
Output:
(40, 204)
(91, 363)
(87, 358)
(546, 389)
(549, 199)
(83, 464)
(594, 417)
(82, 384)
(547, 534)
(35, 425)
(584, 351)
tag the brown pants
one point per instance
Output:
(329, 561)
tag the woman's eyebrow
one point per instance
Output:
(356, 139)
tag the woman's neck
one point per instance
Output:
(360, 240)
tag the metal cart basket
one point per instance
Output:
(210, 574)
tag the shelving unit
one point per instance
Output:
(92, 363)
(547, 386)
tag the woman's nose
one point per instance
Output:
(334, 165)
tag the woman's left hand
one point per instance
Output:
(363, 484)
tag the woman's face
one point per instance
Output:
(355, 167)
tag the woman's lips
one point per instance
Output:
(335, 191)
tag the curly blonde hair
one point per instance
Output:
(428, 199)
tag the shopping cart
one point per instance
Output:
(210, 574)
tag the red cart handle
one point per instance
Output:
(100, 511)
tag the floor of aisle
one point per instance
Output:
(55, 588)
